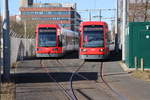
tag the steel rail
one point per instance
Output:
(71, 80)
(58, 84)
(120, 96)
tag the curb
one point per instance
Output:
(125, 68)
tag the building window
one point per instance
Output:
(65, 25)
(45, 13)
(48, 18)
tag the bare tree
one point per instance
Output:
(135, 10)
(146, 8)
(138, 10)
(18, 28)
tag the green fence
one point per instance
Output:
(137, 45)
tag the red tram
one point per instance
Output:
(94, 40)
(54, 41)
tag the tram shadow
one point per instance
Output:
(52, 77)
(68, 55)
(71, 55)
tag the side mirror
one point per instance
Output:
(110, 43)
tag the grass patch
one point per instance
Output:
(143, 75)
(7, 91)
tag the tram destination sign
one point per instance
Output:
(91, 28)
(47, 30)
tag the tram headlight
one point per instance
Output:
(101, 50)
(84, 50)
(39, 49)
(55, 49)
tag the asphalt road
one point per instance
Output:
(33, 82)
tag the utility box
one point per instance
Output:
(137, 45)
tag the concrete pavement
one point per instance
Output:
(32, 81)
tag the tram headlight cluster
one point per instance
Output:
(55, 49)
(101, 50)
(39, 49)
(84, 50)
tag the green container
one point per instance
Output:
(137, 45)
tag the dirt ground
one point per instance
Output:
(143, 75)
(7, 91)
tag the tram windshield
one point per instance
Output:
(93, 36)
(47, 37)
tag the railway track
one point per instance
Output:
(57, 83)
(118, 95)
(70, 96)
(70, 93)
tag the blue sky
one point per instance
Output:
(81, 5)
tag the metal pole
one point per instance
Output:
(6, 42)
(0, 49)
(100, 14)
(116, 30)
(89, 15)
(124, 28)
(135, 63)
(75, 20)
(142, 64)
(25, 31)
